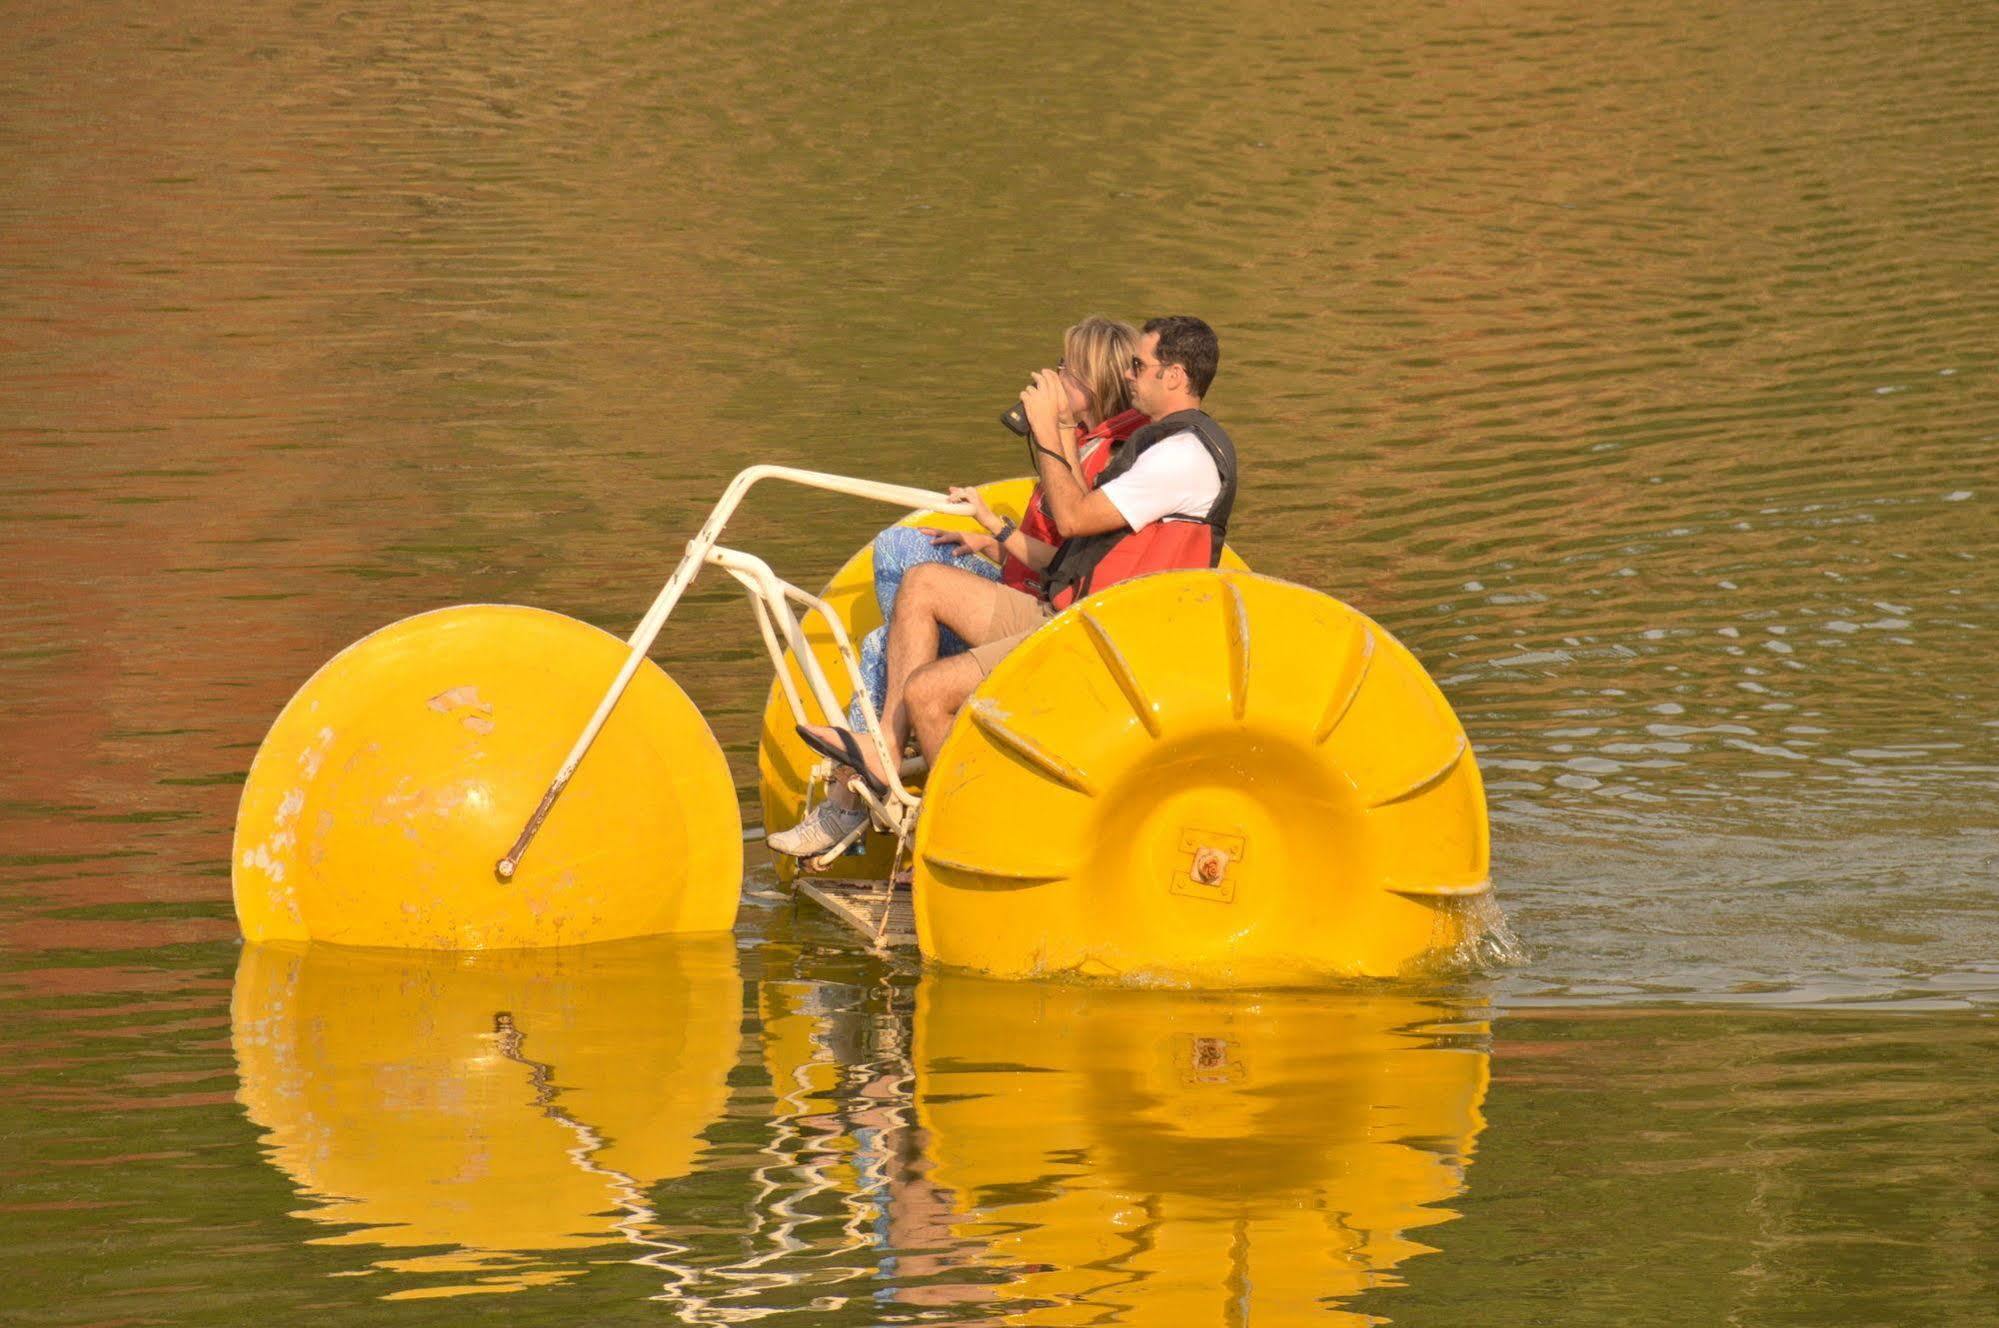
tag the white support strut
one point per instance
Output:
(690, 563)
(773, 596)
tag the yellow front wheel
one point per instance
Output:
(395, 779)
(1207, 778)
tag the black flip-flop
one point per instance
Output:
(847, 752)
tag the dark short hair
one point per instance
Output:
(1191, 344)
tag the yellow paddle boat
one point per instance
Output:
(1206, 778)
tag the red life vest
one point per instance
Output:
(1089, 563)
(1093, 453)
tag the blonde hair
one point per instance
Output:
(1099, 351)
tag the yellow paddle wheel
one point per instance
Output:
(1206, 778)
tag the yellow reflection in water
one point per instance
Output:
(482, 1111)
(1182, 1158)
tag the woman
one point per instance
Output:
(1096, 353)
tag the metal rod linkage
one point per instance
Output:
(690, 564)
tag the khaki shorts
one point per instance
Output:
(1016, 617)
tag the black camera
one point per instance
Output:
(1016, 420)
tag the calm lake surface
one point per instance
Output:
(1637, 366)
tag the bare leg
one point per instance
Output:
(933, 595)
(934, 694)
(932, 697)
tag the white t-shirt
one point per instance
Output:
(1173, 477)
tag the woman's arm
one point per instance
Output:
(1068, 449)
(1075, 509)
(1030, 550)
(1017, 543)
(1071, 434)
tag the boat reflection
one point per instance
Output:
(1182, 1158)
(479, 1114)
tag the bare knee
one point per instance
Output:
(920, 592)
(941, 593)
(925, 578)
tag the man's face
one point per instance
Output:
(1145, 376)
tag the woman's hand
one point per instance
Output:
(980, 512)
(965, 541)
(1045, 400)
(1074, 402)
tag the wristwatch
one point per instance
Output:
(1006, 531)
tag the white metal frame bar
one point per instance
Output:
(691, 562)
(770, 594)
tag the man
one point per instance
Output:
(1163, 502)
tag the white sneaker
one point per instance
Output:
(826, 826)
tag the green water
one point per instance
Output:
(789, 1130)
(1633, 364)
